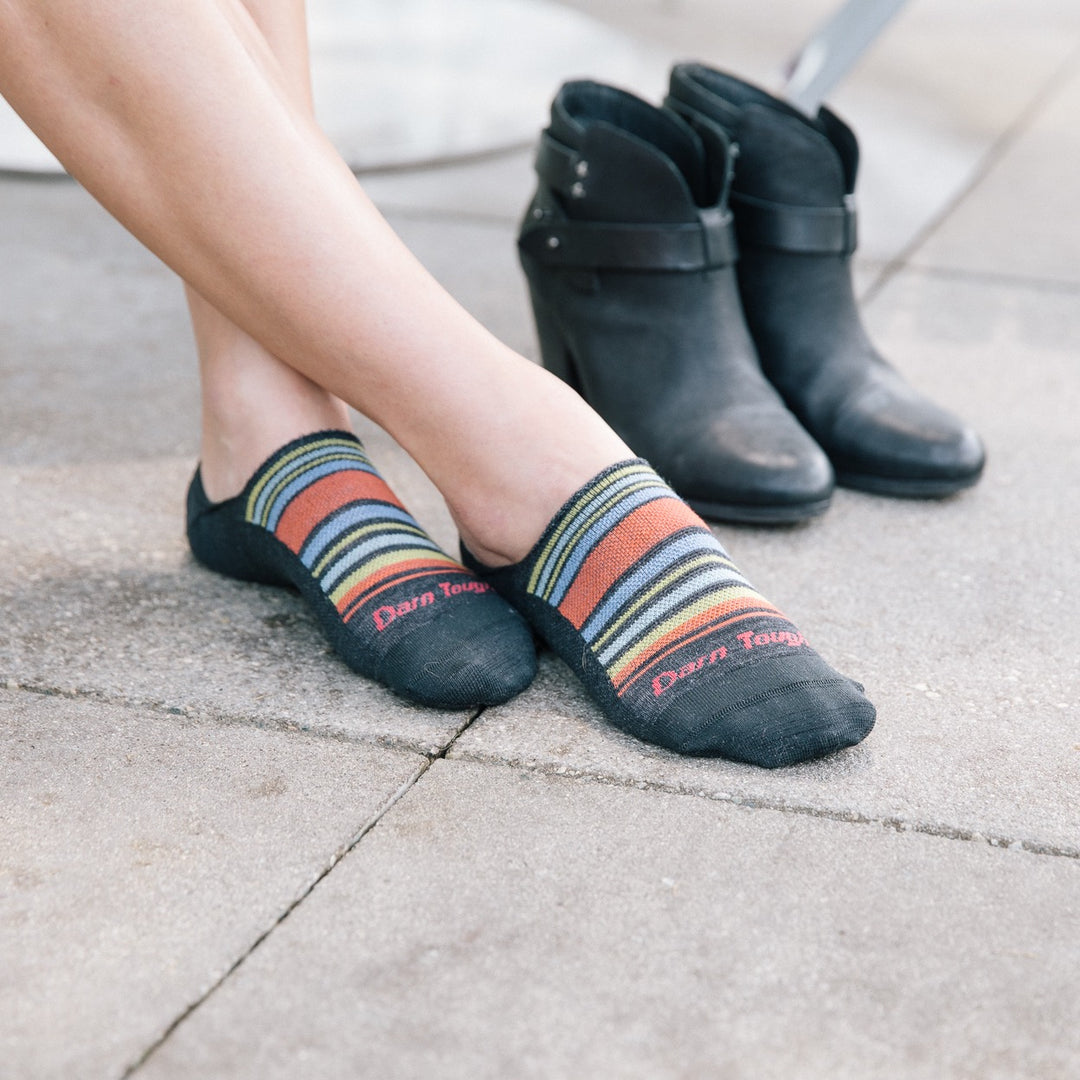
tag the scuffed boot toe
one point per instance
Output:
(892, 441)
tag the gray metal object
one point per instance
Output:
(834, 50)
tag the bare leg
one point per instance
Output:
(252, 402)
(177, 117)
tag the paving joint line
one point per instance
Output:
(995, 278)
(998, 149)
(366, 828)
(447, 161)
(436, 753)
(432, 164)
(226, 719)
(939, 830)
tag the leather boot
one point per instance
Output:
(629, 252)
(792, 199)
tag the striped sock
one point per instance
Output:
(633, 591)
(318, 516)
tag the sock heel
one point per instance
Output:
(215, 541)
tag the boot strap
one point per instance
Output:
(561, 168)
(706, 244)
(817, 230)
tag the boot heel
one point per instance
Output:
(554, 352)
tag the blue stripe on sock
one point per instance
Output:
(352, 457)
(705, 580)
(304, 480)
(651, 567)
(330, 531)
(594, 533)
(342, 566)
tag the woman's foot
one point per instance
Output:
(632, 590)
(317, 515)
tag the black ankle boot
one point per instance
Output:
(629, 251)
(792, 199)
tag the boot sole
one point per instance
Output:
(759, 515)
(900, 488)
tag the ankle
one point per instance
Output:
(509, 457)
(234, 447)
(505, 513)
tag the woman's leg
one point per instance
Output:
(395, 607)
(252, 402)
(178, 118)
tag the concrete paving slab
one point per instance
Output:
(499, 924)
(101, 596)
(143, 855)
(96, 356)
(97, 362)
(954, 614)
(1021, 220)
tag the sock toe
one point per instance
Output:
(783, 723)
(487, 663)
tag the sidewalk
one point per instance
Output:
(223, 855)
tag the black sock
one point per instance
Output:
(318, 516)
(633, 591)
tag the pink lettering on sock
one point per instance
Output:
(750, 640)
(662, 681)
(464, 587)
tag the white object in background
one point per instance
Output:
(409, 82)
(20, 149)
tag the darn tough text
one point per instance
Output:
(388, 613)
(748, 640)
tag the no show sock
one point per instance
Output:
(634, 592)
(318, 516)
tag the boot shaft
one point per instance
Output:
(626, 186)
(609, 156)
(784, 156)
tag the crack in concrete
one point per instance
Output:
(203, 715)
(448, 161)
(940, 830)
(436, 752)
(336, 858)
(996, 278)
(439, 216)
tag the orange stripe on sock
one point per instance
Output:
(638, 532)
(675, 648)
(718, 611)
(318, 500)
(368, 587)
